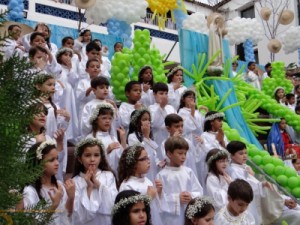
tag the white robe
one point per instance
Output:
(141, 185)
(31, 199)
(9, 49)
(175, 95)
(96, 209)
(217, 190)
(158, 116)
(125, 111)
(176, 180)
(114, 156)
(224, 217)
(151, 148)
(147, 98)
(253, 79)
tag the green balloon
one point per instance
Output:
(289, 172)
(267, 159)
(264, 153)
(277, 162)
(257, 159)
(282, 180)
(296, 192)
(269, 168)
(293, 182)
(278, 170)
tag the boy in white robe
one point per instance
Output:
(240, 194)
(180, 184)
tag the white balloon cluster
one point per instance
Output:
(241, 29)
(290, 39)
(196, 22)
(129, 11)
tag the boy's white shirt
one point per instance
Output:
(224, 217)
(175, 95)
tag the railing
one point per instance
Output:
(148, 19)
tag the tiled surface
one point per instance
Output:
(159, 34)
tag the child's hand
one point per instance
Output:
(162, 164)
(176, 85)
(249, 170)
(177, 134)
(227, 178)
(59, 135)
(146, 129)
(64, 113)
(122, 132)
(220, 137)
(112, 146)
(185, 197)
(267, 184)
(151, 191)
(80, 38)
(146, 87)
(70, 188)
(88, 91)
(67, 63)
(112, 102)
(96, 183)
(290, 203)
(138, 105)
(158, 186)
(204, 108)
(55, 195)
(88, 178)
(198, 139)
(40, 137)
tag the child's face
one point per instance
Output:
(175, 128)
(177, 157)
(160, 95)
(104, 122)
(216, 124)
(142, 164)
(39, 121)
(252, 67)
(145, 117)
(237, 206)
(134, 94)
(268, 69)
(291, 101)
(119, 47)
(90, 158)
(297, 165)
(147, 76)
(282, 125)
(69, 44)
(65, 58)
(188, 100)
(87, 37)
(43, 29)
(178, 77)
(48, 87)
(15, 33)
(94, 54)
(51, 163)
(93, 69)
(280, 93)
(38, 57)
(137, 214)
(38, 41)
(240, 157)
(208, 219)
(221, 165)
(101, 92)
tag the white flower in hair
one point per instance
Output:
(174, 70)
(43, 145)
(130, 200)
(103, 105)
(131, 153)
(138, 113)
(88, 141)
(197, 206)
(63, 50)
(214, 116)
(219, 154)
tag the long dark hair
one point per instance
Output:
(102, 111)
(35, 109)
(212, 166)
(207, 123)
(184, 95)
(47, 39)
(142, 71)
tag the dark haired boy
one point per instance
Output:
(12, 44)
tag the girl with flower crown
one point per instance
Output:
(85, 37)
(131, 208)
(175, 81)
(95, 182)
(140, 132)
(217, 180)
(59, 196)
(200, 211)
(134, 165)
(145, 78)
(69, 79)
(101, 121)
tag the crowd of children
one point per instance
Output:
(155, 159)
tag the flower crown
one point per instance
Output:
(43, 145)
(131, 153)
(143, 67)
(214, 116)
(89, 141)
(219, 154)
(103, 105)
(130, 200)
(174, 70)
(63, 50)
(40, 78)
(200, 202)
(278, 88)
(138, 113)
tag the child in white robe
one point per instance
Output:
(180, 184)
(95, 182)
(140, 132)
(159, 111)
(101, 122)
(145, 78)
(240, 194)
(218, 180)
(133, 93)
(176, 89)
(85, 37)
(46, 187)
(239, 169)
(134, 165)
(212, 137)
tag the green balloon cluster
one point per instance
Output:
(275, 167)
(278, 79)
(126, 65)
